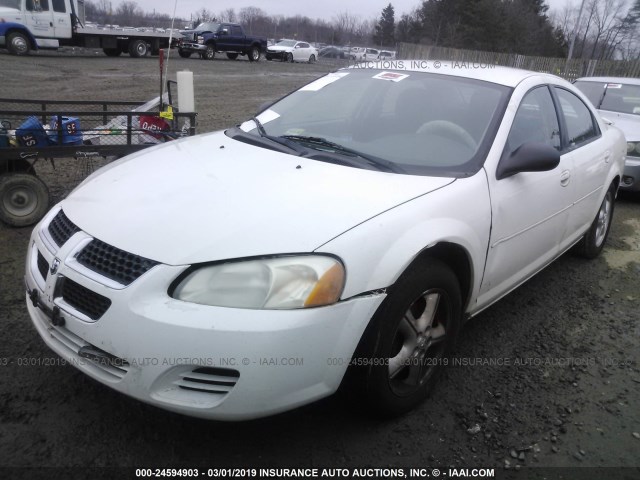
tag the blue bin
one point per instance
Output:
(31, 133)
(71, 133)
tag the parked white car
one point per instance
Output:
(357, 53)
(618, 100)
(341, 237)
(292, 51)
(371, 54)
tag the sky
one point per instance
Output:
(326, 9)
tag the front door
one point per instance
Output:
(530, 209)
(39, 18)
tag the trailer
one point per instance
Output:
(27, 25)
(36, 130)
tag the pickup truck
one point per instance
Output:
(208, 38)
(27, 25)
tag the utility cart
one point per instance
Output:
(36, 130)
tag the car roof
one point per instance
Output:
(626, 80)
(507, 76)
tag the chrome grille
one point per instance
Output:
(113, 263)
(61, 228)
(86, 301)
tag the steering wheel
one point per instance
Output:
(450, 130)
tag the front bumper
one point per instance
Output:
(631, 176)
(211, 362)
(192, 47)
(276, 54)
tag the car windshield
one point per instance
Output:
(418, 122)
(612, 96)
(286, 43)
(10, 4)
(208, 27)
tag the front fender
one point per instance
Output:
(379, 250)
(6, 28)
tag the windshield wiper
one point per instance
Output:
(282, 141)
(324, 145)
(260, 127)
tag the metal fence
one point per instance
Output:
(558, 66)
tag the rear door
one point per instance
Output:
(237, 38)
(61, 19)
(591, 159)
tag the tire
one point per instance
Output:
(397, 361)
(24, 199)
(112, 52)
(312, 59)
(138, 48)
(254, 54)
(18, 43)
(594, 240)
(289, 57)
(210, 52)
(232, 56)
(184, 53)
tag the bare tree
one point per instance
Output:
(250, 15)
(346, 24)
(228, 15)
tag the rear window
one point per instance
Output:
(612, 96)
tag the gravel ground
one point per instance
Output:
(548, 377)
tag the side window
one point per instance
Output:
(58, 6)
(37, 5)
(535, 121)
(236, 31)
(581, 126)
(303, 45)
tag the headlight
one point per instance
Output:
(200, 40)
(633, 149)
(286, 282)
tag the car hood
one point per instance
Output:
(628, 123)
(276, 48)
(6, 12)
(209, 197)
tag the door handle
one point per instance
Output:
(565, 177)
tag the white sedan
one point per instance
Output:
(618, 101)
(292, 51)
(330, 241)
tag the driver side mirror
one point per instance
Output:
(528, 157)
(224, 31)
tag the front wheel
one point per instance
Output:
(209, 53)
(184, 53)
(254, 54)
(18, 44)
(24, 199)
(593, 241)
(289, 57)
(408, 341)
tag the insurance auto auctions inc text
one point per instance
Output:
(373, 473)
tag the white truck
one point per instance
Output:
(27, 25)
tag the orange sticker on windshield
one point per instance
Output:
(391, 76)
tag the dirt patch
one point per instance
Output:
(548, 377)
